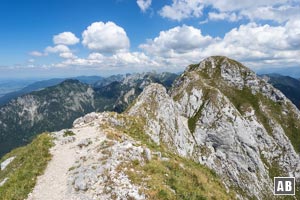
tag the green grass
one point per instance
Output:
(134, 127)
(273, 168)
(68, 133)
(292, 129)
(193, 120)
(178, 178)
(192, 67)
(30, 162)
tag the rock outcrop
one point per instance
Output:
(5, 163)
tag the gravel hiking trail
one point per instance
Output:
(52, 185)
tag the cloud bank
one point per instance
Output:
(254, 43)
(105, 37)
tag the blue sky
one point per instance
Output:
(62, 38)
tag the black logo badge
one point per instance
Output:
(284, 185)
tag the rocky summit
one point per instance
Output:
(220, 132)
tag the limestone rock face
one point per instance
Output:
(5, 163)
(220, 114)
(164, 123)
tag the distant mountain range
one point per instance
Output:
(289, 86)
(7, 86)
(44, 110)
(284, 71)
(56, 107)
(37, 107)
(43, 84)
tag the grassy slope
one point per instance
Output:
(30, 161)
(177, 178)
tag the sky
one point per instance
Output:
(64, 38)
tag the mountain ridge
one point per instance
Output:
(289, 86)
(218, 116)
(56, 107)
(39, 85)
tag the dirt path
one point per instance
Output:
(53, 184)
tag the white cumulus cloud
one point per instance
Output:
(178, 46)
(252, 43)
(36, 53)
(62, 50)
(67, 55)
(259, 42)
(144, 4)
(95, 56)
(180, 39)
(65, 38)
(223, 16)
(105, 37)
(234, 5)
(57, 49)
(181, 9)
(233, 10)
(279, 13)
(120, 60)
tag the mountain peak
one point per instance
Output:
(212, 62)
(217, 67)
(225, 73)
